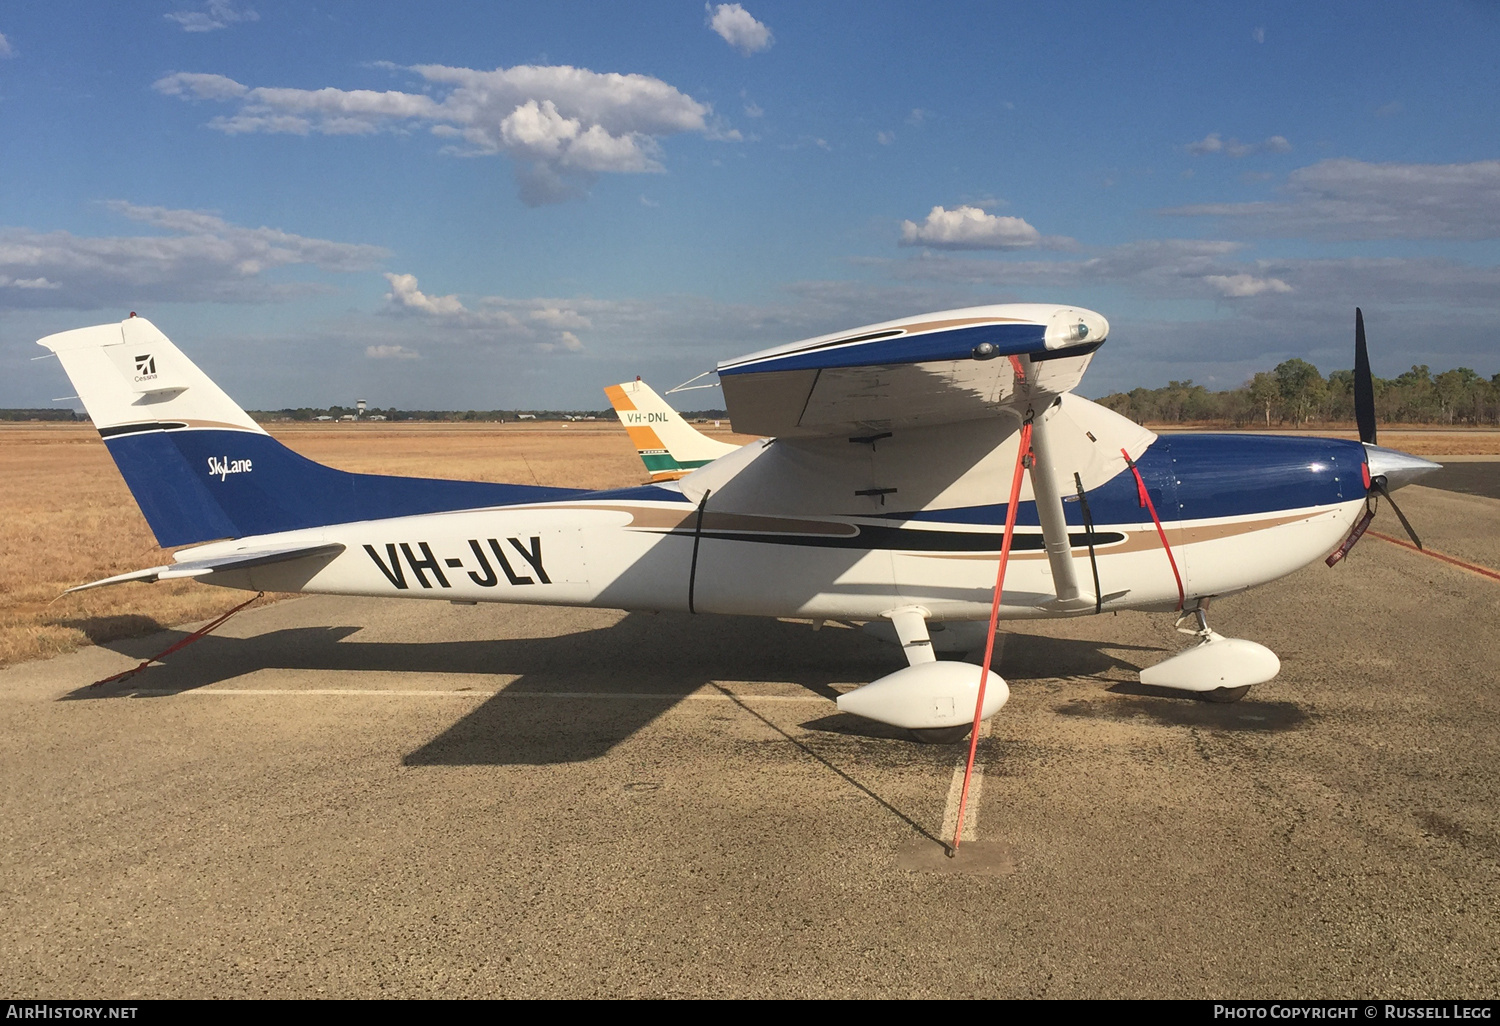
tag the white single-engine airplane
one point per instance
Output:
(879, 495)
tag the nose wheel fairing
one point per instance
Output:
(1217, 668)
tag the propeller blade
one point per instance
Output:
(1379, 483)
(1364, 385)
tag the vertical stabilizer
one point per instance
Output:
(201, 469)
(129, 376)
(668, 445)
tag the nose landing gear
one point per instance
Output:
(1217, 669)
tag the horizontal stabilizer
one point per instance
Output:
(201, 567)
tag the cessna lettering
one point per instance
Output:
(422, 562)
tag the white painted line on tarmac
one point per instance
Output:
(483, 693)
(955, 793)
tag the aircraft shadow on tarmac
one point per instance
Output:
(651, 660)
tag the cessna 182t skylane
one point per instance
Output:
(878, 495)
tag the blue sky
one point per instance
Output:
(491, 205)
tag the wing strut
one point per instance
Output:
(1049, 510)
(1023, 455)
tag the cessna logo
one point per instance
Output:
(222, 466)
(526, 569)
(145, 367)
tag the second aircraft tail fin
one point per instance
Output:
(668, 445)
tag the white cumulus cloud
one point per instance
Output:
(195, 256)
(494, 317)
(405, 295)
(548, 324)
(968, 227)
(562, 126)
(1238, 286)
(1232, 147)
(737, 27)
(1352, 199)
(390, 353)
(190, 85)
(567, 342)
(5, 47)
(216, 14)
(557, 317)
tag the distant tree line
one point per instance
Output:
(308, 413)
(1295, 394)
(47, 414)
(311, 413)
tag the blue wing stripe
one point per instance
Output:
(953, 344)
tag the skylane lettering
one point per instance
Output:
(421, 562)
(222, 466)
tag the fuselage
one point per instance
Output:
(1236, 511)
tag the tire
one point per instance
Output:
(942, 735)
(1226, 695)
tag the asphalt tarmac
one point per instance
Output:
(359, 798)
(1473, 476)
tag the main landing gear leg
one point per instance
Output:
(916, 642)
(934, 700)
(1217, 669)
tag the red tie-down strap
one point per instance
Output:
(212, 625)
(1145, 500)
(1355, 535)
(1023, 459)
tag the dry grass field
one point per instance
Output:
(66, 517)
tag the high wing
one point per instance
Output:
(921, 393)
(940, 368)
(203, 567)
